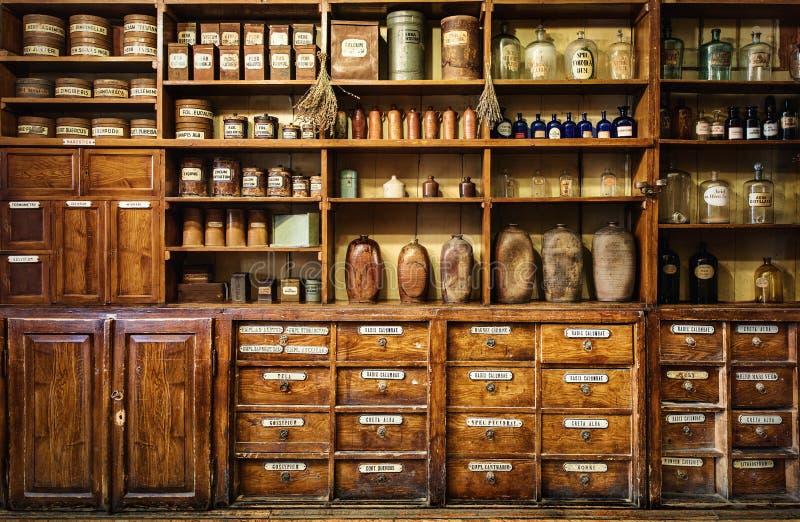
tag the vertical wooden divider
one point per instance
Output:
(726, 393)
(332, 411)
(222, 413)
(486, 229)
(652, 385)
(437, 418)
(639, 424)
(328, 251)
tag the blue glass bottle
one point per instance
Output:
(554, 128)
(569, 129)
(623, 126)
(603, 126)
(585, 128)
(502, 129)
(520, 129)
(538, 128)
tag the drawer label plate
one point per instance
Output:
(696, 329)
(493, 422)
(284, 376)
(394, 375)
(757, 328)
(760, 419)
(380, 330)
(79, 204)
(380, 419)
(585, 467)
(585, 377)
(261, 348)
(490, 330)
(686, 418)
(682, 461)
(134, 204)
(592, 424)
(478, 467)
(582, 333)
(380, 468)
(754, 464)
(756, 376)
(261, 329)
(307, 330)
(24, 204)
(282, 422)
(690, 375)
(23, 259)
(285, 466)
(488, 375)
(307, 350)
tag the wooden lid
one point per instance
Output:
(142, 18)
(42, 19)
(75, 122)
(143, 122)
(189, 102)
(111, 82)
(73, 82)
(109, 121)
(34, 120)
(43, 82)
(143, 82)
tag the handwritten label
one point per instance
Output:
(354, 48)
(284, 376)
(585, 467)
(579, 333)
(261, 348)
(307, 350)
(261, 329)
(754, 464)
(685, 462)
(592, 424)
(285, 466)
(756, 376)
(380, 468)
(585, 377)
(271, 422)
(23, 259)
(487, 375)
(134, 204)
(687, 375)
(493, 422)
(307, 330)
(697, 329)
(24, 204)
(380, 330)
(279, 60)
(394, 375)
(760, 419)
(380, 419)
(490, 330)
(254, 62)
(757, 328)
(478, 467)
(686, 418)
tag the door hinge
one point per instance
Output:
(213, 362)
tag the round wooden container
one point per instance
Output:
(290, 131)
(35, 127)
(193, 111)
(194, 178)
(73, 88)
(192, 227)
(193, 131)
(215, 227)
(139, 46)
(279, 182)
(461, 49)
(89, 46)
(33, 88)
(89, 26)
(143, 88)
(225, 177)
(234, 127)
(253, 182)
(110, 128)
(256, 228)
(111, 88)
(234, 228)
(73, 128)
(140, 25)
(43, 35)
(144, 128)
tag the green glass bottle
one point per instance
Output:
(715, 58)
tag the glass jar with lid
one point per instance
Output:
(580, 58)
(755, 59)
(620, 59)
(505, 55)
(540, 57)
(673, 202)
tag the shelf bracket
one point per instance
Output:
(649, 190)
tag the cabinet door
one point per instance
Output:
(134, 251)
(161, 432)
(58, 413)
(80, 252)
(25, 225)
(25, 279)
(121, 173)
(39, 172)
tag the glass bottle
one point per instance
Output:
(671, 55)
(623, 126)
(554, 128)
(768, 282)
(702, 127)
(503, 128)
(580, 59)
(506, 54)
(665, 121)
(770, 126)
(758, 198)
(718, 126)
(682, 122)
(538, 128)
(755, 59)
(603, 126)
(715, 58)
(734, 126)
(794, 61)
(713, 200)
(508, 189)
(567, 185)
(788, 121)
(569, 129)
(673, 202)
(585, 127)
(752, 125)
(538, 185)
(620, 59)
(540, 57)
(669, 274)
(608, 183)
(703, 277)
(520, 128)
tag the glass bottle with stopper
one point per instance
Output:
(620, 58)
(713, 201)
(580, 58)
(758, 201)
(673, 202)
(506, 53)
(715, 58)
(768, 282)
(540, 57)
(755, 59)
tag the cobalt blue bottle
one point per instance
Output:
(585, 128)
(623, 126)
(554, 129)
(520, 129)
(570, 128)
(538, 128)
(603, 127)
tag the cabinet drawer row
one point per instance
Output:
(767, 387)
(749, 477)
(685, 430)
(696, 341)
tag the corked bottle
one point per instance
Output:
(412, 120)
(430, 124)
(194, 178)
(279, 182)
(430, 188)
(358, 123)
(375, 125)
(395, 123)
(456, 264)
(449, 124)
(413, 273)
(613, 263)
(363, 270)
(461, 50)
(469, 120)
(234, 228)
(215, 227)
(562, 265)
(256, 228)
(192, 227)
(515, 272)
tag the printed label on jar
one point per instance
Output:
(276, 182)
(453, 38)
(87, 50)
(380, 468)
(24, 204)
(580, 333)
(621, 66)
(684, 462)
(686, 418)
(139, 50)
(264, 130)
(286, 422)
(253, 38)
(788, 122)
(316, 186)
(307, 330)
(770, 129)
(261, 348)
(760, 419)
(215, 224)
(285, 466)
(308, 134)
(670, 269)
(222, 174)
(753, 133)
(307, 350)
(278, 38)
(491, 422)
(483, 467)
(735, 133)
(369, 420)
(704, 272)
(209, 38)
(190, 135)
(554, 133)
(509, 58)
(720, 59)
(717, 196)
(230, 38)
(249, 181)
(625, 131)
(140, 27)
(229, 62)
(603, 134)
(305, 61)
(539, 134)
(756, 376)
(143, 92)
(759, 199)
(144, 132)
(187, 37)
(234, 130)
(110, 92)
(44, 28)
(203, 61)
(299, 186)
(504, 129)
(592, 424)
(687, 375)
(380, 330)
(490, 330)
(38, 130)
(279, 61)
(79, 92)
(759, 60)
(195, 113)
(284, 376)
(40, 50)
(392, 375)
(717, 129)
(757, 328)
(582, 64)
(703, 128)
(303, 38)
(99, 132)
(254, 62)
(67, 129)
(261, 329)
(88, 28)
(762, 282)
(487, 375)
(585, 377)
(587, 134)
(754, 464)
(585, 467)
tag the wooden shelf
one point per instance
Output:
(378, 9)
(759, 9)
(80, 104)
(65, 8)
(587, 87)
(242, 199)
(572, 143)
(560, 200)
(427, 201)
(242, 249)
(121, 143)
(582, 9)
(729, 226)
(729, 86)
(237, 87)
(729, 143)
(79, 64)
(215, 10)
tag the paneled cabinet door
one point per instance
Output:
(58, 418)
(25, 225)
(80, 252)
(39, 173)
(134, 251)
(120, 173)
(161, 411)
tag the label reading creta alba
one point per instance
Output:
(393, 375)
(380, 330)
(585, 467)
(493, 422)
(261, 348)
(697, 329)
(285, 466)
(369, 420)
(261, 329)
(756, 376)
(757, 328)
(585, 377)
(487, 375)
(279, 422)
(686, 418)
(592, 424)
(687, 375)
(580, 333)
(760, 419)
(284, 376)
(478, 467)
(754, 464)
(380, 468)
(685, 462)
(354, 48)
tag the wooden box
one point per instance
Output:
(229, 67)
(201, 292)
(279, 35)
(206, 62)
(354, 50)
(187, 33)
(304, 35)
(253, 34)
(230, 33)
(254, 62)
(306, 63)
(209, 34)
(280, 62)
(179, 58)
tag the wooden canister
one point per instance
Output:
(111, 88)
(143, 88)
(33, 88)
(234, 228)
(413, 273)
(205, 62)
(144, 128)
(514, 275)
(430, 124)
(449, 124)
(192, 227)
(394, 120)
(193, 178)
(35, 127)
(256, 228)
(281, 61)
(225, 177)
(456, 264)
(89, 46)
(42, 35)
(358, 123)
(110, 128)
(138, 46)
(354, 49)
(375, 126)
(73, 88)
(140, 25)
(253, 182)
(461, 50)
(215, 227)
(279, 182)
(253, 34)
(469, 121)
(90, 35)
(413, 123)
(194, 118)
(230, 34)
(73, 128)
(363, 270)
(193, 131)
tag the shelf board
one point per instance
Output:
(378, 9)
(237, 87)
(729, 87)
(427, 201)
(729, 226)
(709, 8)
(591, 87)
(98, 142)
(79, 64)
(65, 8)
(729, 143)
(560, 200)
(242, 199)
(571, 143)
(241, 249)
(81, 104)
(520, 9)
(411, 87)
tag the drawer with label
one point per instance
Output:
(381, 479)
(292, 478)
(690, 384)
(688, 430)
(759, 429)
(283, 341)
(576, 479)
(381, 432)
(490, 433)
(382, 386)
(760, 341)
(491, 342)
(494, 479)
(586, 388)
(691, 341)
(610, 344)
(479, 386)
(762, 387)
(689, 475)
(281, 385)
(282, 432)
(763, 476)
(382, 342)
(586, 434)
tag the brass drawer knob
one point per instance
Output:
(284, 387)
(688, 386)
(490, 387)
(381, 478)
(682, 475)
(584, 480)
(586, 389)
(490, 343)
(690, 341)
(687, 431)
(761, 432)
(490, 478)
(285, 476)
(757, 342)
(383, 387)
(117, 395)
(381, 431)
(587, 345)
(283, 340)
(586, 435)
(490, 434)
(760, 388)
(283, 434)
(382, 342)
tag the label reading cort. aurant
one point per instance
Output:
(261, 348)
(686, 418)
(284, 376)
(490, 375)
(380, 330)
(24, 204)
(306, 350)
(585, 377)
(757, 328)
(592, 424)
(579, 333)
(478, 467)
(265, 329)
(493, 422)
(380, 468)
(756, 376)
(697, 329)
(490, 330)
(687, 375)
(354, 48)
(282, 422)
(285, 466)
(754, 464)
(380, 419)
(394, 375)
(585, 467)
(307, 330)
(760, 419)
(683, 462)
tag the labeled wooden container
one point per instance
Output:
(256, 228)
(290, 131)
(143, 88)
(234, 127)
(205, 62)
(306, 63)
(304, 35)
(90, 35)
(110, 128)
(179, 59)
(354, 50)
(265, 127)
(187, 33)
(229, 68)
(253, 34)
(73, 128)
(234, 228)
(139, 46)
(202, 292)
(193, 178)
(43, 35)
(254, 62)
(254, 182)
(192, 227)
(461, 49)
(194, 119)
(315, 186)
(140, 26)
(33, 88)
(280, 62)
(193, 131)
(215, 227)
(73, 88)
(35, 127)
(279, 182)
(225, 177)
(88, 46)
(111, 88)
(144, 128)
(230, 34)
(209, 34)
(279, 35)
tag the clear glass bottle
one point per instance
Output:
(702, 127)
(585, 127)
(734, 126)
(669, 274)
(623, 125)
(682, 121)
(506, 53)
(538, 185)
(671, 55)
(703, 277)
(755, 59)
(768, 283)
(569, 129)
(752, 125)
(540, 57)
(508, 185)
(788, 121)
(554, 128)
(673, 202)
(794, 61)
(580, 59)
(520, 128)
(758, 198)
(714, 200)
(538, 128)
(620, 59)
(718, 126)
(603, 126)
(665, 121)
(608, 183)
(714, 58)
(567, 185)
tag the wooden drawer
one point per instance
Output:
(760, 429)
(586, 388)
(695, 384)
(381, 479)
(496, 479)
(39, 172)
(25, 279)
(760, 342)
(283, 341)
(586, 434)
(762, 387)
(490, 433)
(282, 432)
(689, 475)
(575, 479)
(283, 386)
(381, 432)
(762, 476)
(491, 342)
(691, 341)
(478, 387)
(587, 343)
(294, 478)
(379, 386)
(114, 172)
(25, 225)
(688, 430)
(382, 342)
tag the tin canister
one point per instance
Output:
(300, 186)
(313, 290)
(406, 36)
(348, 183)
(265, 127)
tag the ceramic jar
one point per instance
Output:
(614, 263)
(363, 270)
(562, 265)
(456, 264)
(394, 188)
(430, 188)
(514, 270)
(413, 273)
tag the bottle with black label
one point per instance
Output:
(752, 126)
(734, 126)
(788, 121)
(703, 277)
(503, 128)
(669, 274)
(770, 125)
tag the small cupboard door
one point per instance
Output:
(25, 225)
(134, 251)
(25, 279)
(120, 173)
(80, 252)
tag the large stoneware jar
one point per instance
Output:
(413, 273)
(562, 265)
(614, 263)
(514, 270)
(363, 270)
(456, 266)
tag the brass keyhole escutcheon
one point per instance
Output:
(587, 345)
(490, 343)
(586, 389)
(682, 474)
(584, 480)
(381, 431)
(381, 478)
(586, 435)
(690, 341)
(382, 386)
(285, 386)
(760, 388)
(490, 387)
(757, 342)
(687, 431)
(382, 342)
(285, 476)
(688, 386)
(490, 478)
(761, 432)
(283, 434)
(490, 434)
(283, 340)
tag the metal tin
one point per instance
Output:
(193, 177)
(143, 88)
(313, 290)
(300, 186)
(235, 127)
(35, 127)
(348, 183)
(406, 38)
(263, 291)
(144, 129)
(33, 88)
(315, 186)
(291, 132)
(225, 177)
(111, 88)
(73, 88)
(73, 128)
(110, 128)
(290, 290)
(461, 50)
(279, 182)
(253, 182)
(265, 127)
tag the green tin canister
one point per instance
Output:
(406, 38)
(313, 290)
(348, 183)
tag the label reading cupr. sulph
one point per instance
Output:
(686, 418)
(392, 375)
(282, 422)
(759, 199)
(582, 64)
(354, 48)
(24, 204)
(493, 422)
(285, 466)
(99, 132)
(261, 348)
(689, 462)
(254, 62)
(490, 375)
(229, 62)
(178, 61)
(760, 419)
(79, 92)
(69, 129)
(757, 328)
(203, 61)
(279, 60)
(222, 174)
(585, 377)
(717, 196)
(284, 376)
(380, 468)
(756, 376)
(453, 38)
(306, 350)
(307, 330)
(585, 467)
(581, 333)
(269, 329)
(592, 424)
(490, 330)
(303, 38)
(139, 49)
(23, 259)
(754, 464)
(40, 50)
(44, 28)
(478, 467)
(704, 271)
(369, 420)
(380, 330)
(687, 375)
(305, 61)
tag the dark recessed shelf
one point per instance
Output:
(729, 143)
(81, 104)
(189, 200)
(79, 64)
(729, 226)
(560, 200)
(427, 201)
(729, 87)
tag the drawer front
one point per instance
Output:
(496, 479)
(575, 479)
(282, 432)
(586, 434)
(25, 225)
(762, 387)
(381, 432)
(382, 342)
(381, 480)
(760, 341)
(38, 172)
(688, 430)
(601, 344)
(761, 429)
(688, 475)
(696, 384)
(284, 342)
(490, 433)
(586, 388)
(382, 386)
(283, 478)
(282, 385)
(25, 279)
(491, 342)
(761, 476)
(691, 341)
(121, 172)
(479, 387)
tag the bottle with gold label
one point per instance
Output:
(669, 274)
(758, 198)
(713, 200)
(703, 277)
(768, 280)
(608, 183)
